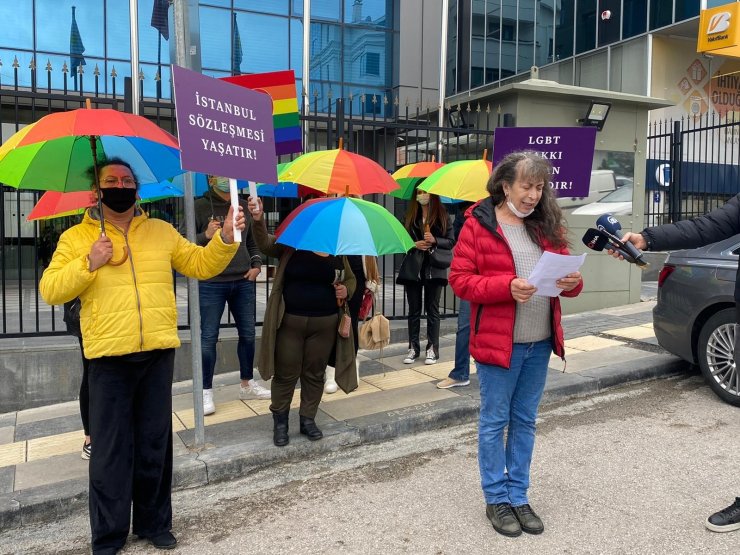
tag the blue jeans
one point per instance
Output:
(461, 371)
(510, 398)
(241, 296)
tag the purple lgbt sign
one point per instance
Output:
(569, 149)
(224, 129)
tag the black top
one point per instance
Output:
(309, 284)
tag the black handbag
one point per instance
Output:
(410, 269)
(441, 258)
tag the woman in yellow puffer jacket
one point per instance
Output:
(129, 333)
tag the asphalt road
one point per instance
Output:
(635, 470)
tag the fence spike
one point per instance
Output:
(65, 69)
(96, 71)
(48, 65)
(396, 101)
(80, 69)
(478, 110)
(329, 94)
(468, 108)
(363, 97)
(15, 62)
(113, 72)
(385, 99)
(32, 65)
(488, 108)
(351, 97)
(374, 99)
(315, 93)
(141, 75)
(447, 106)
(1, 63)
(157, 77)
(406, 102)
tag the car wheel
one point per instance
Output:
(716, 353)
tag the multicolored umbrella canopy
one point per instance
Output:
(54, 153)
(284, 189)
(410, 175)
(463, 180)
(340, 172)
(56, 204)
(344, 226)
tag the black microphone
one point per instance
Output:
(611, 226)
(598, 240)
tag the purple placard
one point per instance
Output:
(569, 149)
(224, 129)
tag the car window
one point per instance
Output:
(623, 194)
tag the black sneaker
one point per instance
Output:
(503, 520)
(165, 540)
(725, 520)
(531, 523)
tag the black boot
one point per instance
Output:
(309, 429)
(280, 430)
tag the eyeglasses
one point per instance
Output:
(127, 182)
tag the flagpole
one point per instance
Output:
(134, 28)
(159, 65)
(442, 77)
(306, 96)
(183, 58)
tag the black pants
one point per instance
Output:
(131, 422)
(432, 292)
(85, 393)
(302, 349)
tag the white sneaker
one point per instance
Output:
(208, 406)
(431, 357)
(411, 357)
(254, 391)
(330, 386)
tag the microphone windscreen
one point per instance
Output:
(609, 223)
(595, 239)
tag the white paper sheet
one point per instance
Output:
(550, 268)
(235, 205)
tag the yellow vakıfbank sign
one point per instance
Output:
(719, 30)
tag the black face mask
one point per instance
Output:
(119, 199)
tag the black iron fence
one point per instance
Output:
(693, 166)
(390, 130)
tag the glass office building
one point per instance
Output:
(591, 43)
(351, 43)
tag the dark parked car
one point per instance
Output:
(694, 317)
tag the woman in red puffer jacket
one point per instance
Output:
(513, 331)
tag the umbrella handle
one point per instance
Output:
(122, 260)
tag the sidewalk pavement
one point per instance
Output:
(42, 476)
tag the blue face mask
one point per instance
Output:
(222, 184)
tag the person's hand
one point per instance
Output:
(422, 245)
(255, 208)
(341, 291)
(227, 232)
(252, 274)
(100, 252)
(569, 282)
(522, 290)
(429, 238)
(635, 238)
(213, 227)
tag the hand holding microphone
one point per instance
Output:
(609, 225)
(606, 236)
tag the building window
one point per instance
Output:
(635, 18)
(372, 63)
(661, 13)
(564, 30)
(586, 29)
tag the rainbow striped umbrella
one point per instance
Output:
(344, 226)
(340, 172)
(463, 180)
(410, 175)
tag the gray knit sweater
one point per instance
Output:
(532, 321)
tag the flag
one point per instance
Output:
(160, 18)
(76, 48)
(280, 85)
(236, 50)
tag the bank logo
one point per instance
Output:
(718, 22)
